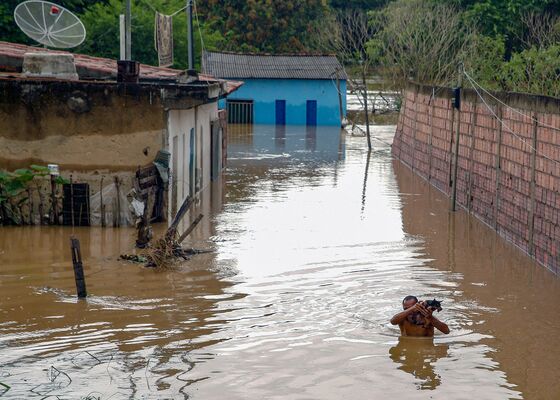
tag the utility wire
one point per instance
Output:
(202, 49)
(505, 125)
(156, 11)
(504, 104)
(178, 11)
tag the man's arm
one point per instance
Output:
(400, 317)
(428, 314)
(441, 326)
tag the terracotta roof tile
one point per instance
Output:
(97, 64)
(105, 67)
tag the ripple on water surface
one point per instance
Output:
(315, 245)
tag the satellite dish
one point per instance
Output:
(49, 24)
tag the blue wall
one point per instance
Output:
(296, 92)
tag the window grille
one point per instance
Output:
(240, 111)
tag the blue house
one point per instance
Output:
(281, 89)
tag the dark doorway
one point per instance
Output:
(75, 204)
(311, 114)
(280, 112)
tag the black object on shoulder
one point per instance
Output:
(433, 304)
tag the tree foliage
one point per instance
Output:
(264, 25)
(533, 71)
(102, 24)
(365, 5)
(421, 41)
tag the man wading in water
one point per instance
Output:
(417, 319)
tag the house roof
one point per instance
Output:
(89, 67)
(271, 66)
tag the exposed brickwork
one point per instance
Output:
(500, 178)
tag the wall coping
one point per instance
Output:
(525, 101)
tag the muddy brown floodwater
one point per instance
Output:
(315, 245)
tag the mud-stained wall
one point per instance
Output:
(79, 126)
(182, 124)
(508, 163)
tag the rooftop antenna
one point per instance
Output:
(52, 26)
(49, 24)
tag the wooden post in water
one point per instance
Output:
(457, 135)
(78, 267)
(365, 95)
(533, 187)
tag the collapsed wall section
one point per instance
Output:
(508, 159)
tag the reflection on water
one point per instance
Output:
(417, 356)
(315, 244)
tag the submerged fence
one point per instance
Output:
(507, 160)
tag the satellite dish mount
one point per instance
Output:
(52, 26)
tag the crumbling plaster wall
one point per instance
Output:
(95, 132)
(79, 126)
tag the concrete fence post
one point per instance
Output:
(531, 221)
(431, 116)
(455, 163)
(402, 117)
(471, 154)
(498, 167)
(415, 127)
(400, 133)
(450, 152)
(457, 139)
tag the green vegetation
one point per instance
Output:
(15, 192)
(264, 25)
(504, 44)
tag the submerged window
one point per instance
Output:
(240, 111)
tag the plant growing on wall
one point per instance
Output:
(15, 193)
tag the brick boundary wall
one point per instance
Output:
(501, 179)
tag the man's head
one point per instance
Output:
(409, 301)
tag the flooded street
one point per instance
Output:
(315, 246)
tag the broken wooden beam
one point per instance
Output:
(187, 203)
(190, 228)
